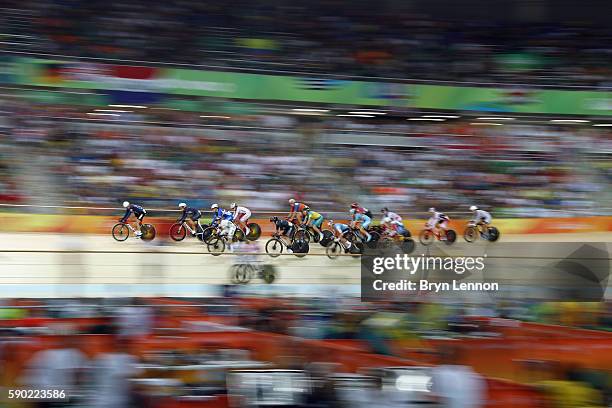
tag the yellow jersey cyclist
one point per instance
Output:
(313, 219)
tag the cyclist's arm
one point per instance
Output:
(126, 215)
(183, 217)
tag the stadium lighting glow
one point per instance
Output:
(310, 110)
(112, 110)
(428, 119)
(495, 118)
(215, 117)
(486, 124)
(603, 125)
(102, 114)
(357, 116)
(441, 116)
(367, 113)
(128, 106)
(570, 121)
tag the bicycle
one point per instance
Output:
(428, 235)
(308, 234)
(337, 247)
(243, 273)
(403, 240)
(254, 232)
(178, 231)
(473, 231)
(276, 245)
(121, 231)
(215, 241)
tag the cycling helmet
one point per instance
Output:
(126, 204)
(233, 206)
(214, 206)
(473, 208)
(291, 201)
(182, 205)
(355, 205)
(384, 210)
(432, 210)
(274, 219)
(306, 208)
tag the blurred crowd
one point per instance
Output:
(124, 352)
(326, 37)
(58, 155)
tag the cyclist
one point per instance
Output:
(139, 213)
(241, 217)
(361, 210)
(295, 210)
(339, 231)
(361, 222)
(392, 222)
(224, 219)
(193, 214)
(313, 219)
(284, 226)
(438, 219)
(481, 217)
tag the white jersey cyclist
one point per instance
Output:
(241, 217)
(480, 215)
(437, 219)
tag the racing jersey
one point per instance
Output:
(133, 208)
(190, 212)
(481, 215)
(392, 217)
(361, 218)
(439, 217)
(312, 215)
(341, 227)
(297, 207)
(222, 214)
(241, 210)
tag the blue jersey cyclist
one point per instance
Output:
(224, 218)
(339, 230)
(138, 211)
(361, 222)
(193, 214)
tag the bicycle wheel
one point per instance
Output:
(300, 248)
(302, 235)
(148, 232)
(493, 234)
(268, 274)
(274, 247)
(243, 273)
(407, 245)
(238, 235)
(234, 274)
(375, 237)
(178, 232)
(451, 236)
(470, 234)
(208, 234)
(328, 238)
(426, 237)
(121, 232)
(334, 250)
(216, 246)
(254, 231)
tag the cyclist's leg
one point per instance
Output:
(364, 229)
(139, 219)
(316, 225)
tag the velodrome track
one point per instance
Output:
(70, 265)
